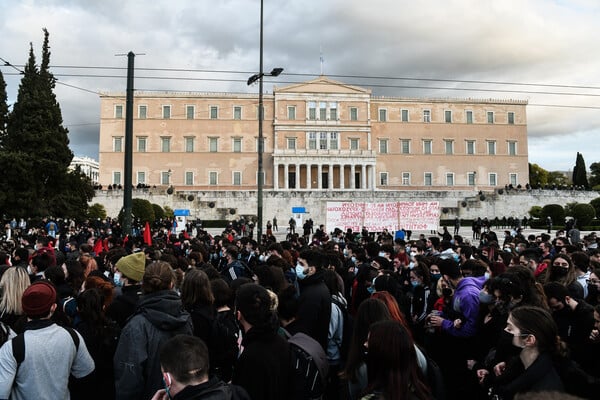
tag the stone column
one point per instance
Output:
(352, 172)
(286, 172)
(319, 176)
(308, 177)
(342, 177)
(330, 177)
(297, 176)
(276, 176)
(363, 177)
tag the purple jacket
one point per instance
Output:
(466, 303)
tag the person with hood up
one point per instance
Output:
(159, 316)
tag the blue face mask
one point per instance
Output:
(436, 276)
(485, 298)
(381, 254)
(300, 271)
(371, 289)
(353, 259)
(414, 283)
(117, 279)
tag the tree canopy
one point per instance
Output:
(580, 172)
(34, 152)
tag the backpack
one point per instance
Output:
(18, 346)
(309, 366)
(347, 329)
(223, 349)
(434, 379)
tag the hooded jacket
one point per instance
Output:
(159, 317)
(465, 303)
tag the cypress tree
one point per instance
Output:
(3, 109)
(580, 172)
(37, 150)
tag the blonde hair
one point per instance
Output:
(13, 283)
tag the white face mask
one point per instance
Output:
(381, 254)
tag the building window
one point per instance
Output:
(469, 117)
(291, 143)
(141, 177)
(404, 115)
(237, 178)
(383, 146)
(449, 146)
(448, 116)
(405, 146)
(322, 111)
(492, 178)
(118, 144)
(143, 112)
(426, 115)
(353, 114)
(141, 147)
(383, 179)
(166, 112)
(189, 144)
(382, 115)
(214, 112)
(213, 144)
(426, 146)
(190, 112)
(312, 110)
(333, 140)
(354, 144)
(512, 148)
(428, 179)
(116, 178)
(406, 178)
(323, 141)
(237, 112)
(470, 147)
(291, 112)
(165, 144)
(511, 118)
(189, 178)
(119, 111)
(213, 178)
(449, 179)
(491, 145)
(312, 140)
(333, 111)
(237, 145)
(471, 178)
(512, 178)
(490, 117)
(165, 177)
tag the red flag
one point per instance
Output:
(98, 248)
(186, 235)
(147, 234)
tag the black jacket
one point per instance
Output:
(263, 368)
(214, 389)
(124, 306)
(314, 308)
(159, 317)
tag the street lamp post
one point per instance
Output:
(259, 77)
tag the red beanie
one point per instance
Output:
(38, 299)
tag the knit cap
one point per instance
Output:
(38, 299)
(133, 266)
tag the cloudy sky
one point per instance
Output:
(543, 51)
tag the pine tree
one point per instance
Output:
(580, 172)
(37, 151)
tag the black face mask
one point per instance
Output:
(446, 292)
(592, 291)
(505, 343)
(559, 272)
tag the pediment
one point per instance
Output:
(322, 84)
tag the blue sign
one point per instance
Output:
(181, 213)
(298, 210)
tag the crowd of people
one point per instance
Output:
(88, 313)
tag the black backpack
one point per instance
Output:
(223, 346)
(309, 366)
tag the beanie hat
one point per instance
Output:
(38, 299)
(133, 266)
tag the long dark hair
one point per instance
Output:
(392, 363)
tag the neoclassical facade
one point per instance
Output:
(318, 135)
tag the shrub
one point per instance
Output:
(554, 211)
(583, 214)
(168, 212)
(158, 211)
(596, 204)
(96, 211)
(142, 209)
(535, 212)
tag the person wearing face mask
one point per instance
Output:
(535, 334)
(574, 319)
(314, 306)
(128, 274)
(420, 281)
(593, 284)
(563, 271)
